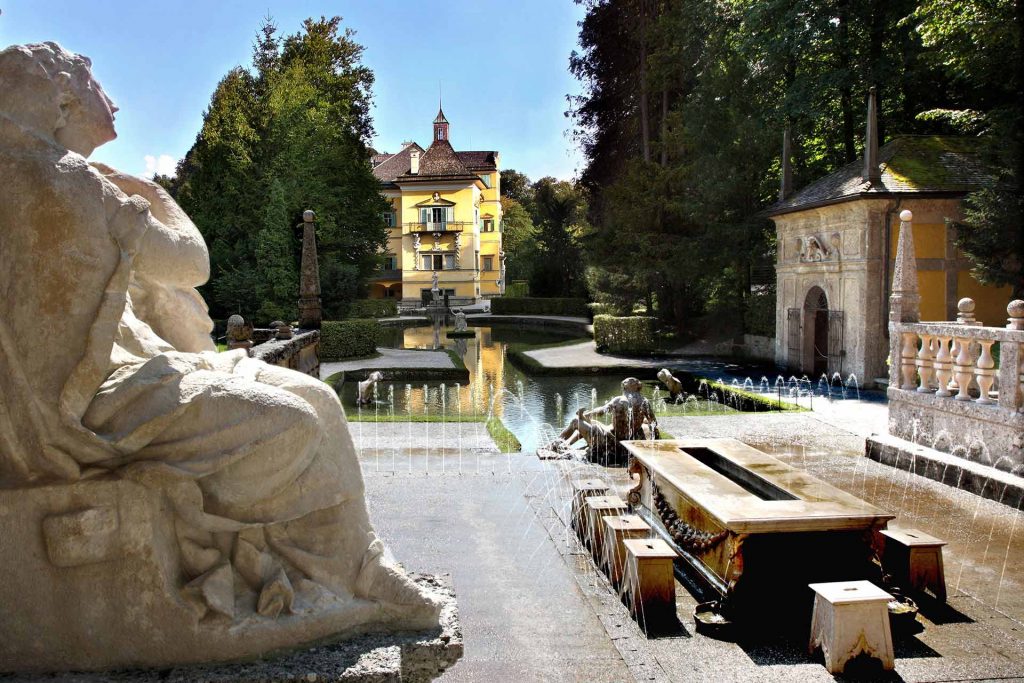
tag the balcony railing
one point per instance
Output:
(389, 274)
(449, 226)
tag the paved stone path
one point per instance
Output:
(585, 355)
(391, 358)
(534, 608)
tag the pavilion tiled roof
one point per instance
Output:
(439, 161)
(478, 161)
(395, 165)
(909, 164)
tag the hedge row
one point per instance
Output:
(631, 334)
(348, 338)
(538, 306)
(373, 308)
(603, 309)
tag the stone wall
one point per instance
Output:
(301, 352)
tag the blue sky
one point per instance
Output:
(502, 68)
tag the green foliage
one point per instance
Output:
(340, 339)
(684, 105)
(516, 289)
(372, 308)
(519, 237)
(288, 134)
(503, 438)
(597, 309)
(539, 306)
(629, 335)
(759, 318)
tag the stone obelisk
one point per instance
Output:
(310, 313)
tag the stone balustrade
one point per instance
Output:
(961, 377)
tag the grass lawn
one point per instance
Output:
(506, 440)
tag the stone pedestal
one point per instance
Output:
(914, 560)
(616, 531)
(851, 618)
(649, 583)
(597, 508)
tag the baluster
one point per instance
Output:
(943, 366)
(963, 368)
(984, 374)
(924, 364)
(954, 351)
(907, 357)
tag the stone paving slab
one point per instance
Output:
(535, 608)
(403, 440)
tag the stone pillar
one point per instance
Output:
(310, 313)
(905, 300)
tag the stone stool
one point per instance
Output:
(598, 507)
(616, 530)
(851, 618)
(648, 582)
(581, 490)
(914, 560)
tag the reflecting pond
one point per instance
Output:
(533, 408)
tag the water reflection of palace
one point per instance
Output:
(484, 357)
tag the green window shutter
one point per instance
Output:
(424, 215)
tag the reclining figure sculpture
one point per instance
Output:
(160, 503)
(632, 417)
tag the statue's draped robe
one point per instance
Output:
(90, 384)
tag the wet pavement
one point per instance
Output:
(534, 608)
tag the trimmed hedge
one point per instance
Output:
(538, 306)
(348, 338)
(629, 334)
(603, 309)
(517, 289)
(372, 308)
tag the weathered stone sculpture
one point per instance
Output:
(239, 335)
(460, 321)
(365, 396)
(160, 503)
(674, 386)
(629, 413)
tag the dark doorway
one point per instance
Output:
(816, 332)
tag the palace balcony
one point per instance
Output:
(442, 227)
(390, 274)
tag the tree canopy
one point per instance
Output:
(287, 134)
(684, 107)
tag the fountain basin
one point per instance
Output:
(756, 530)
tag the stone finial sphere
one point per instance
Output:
(308, 216)
(906, 215)
(236, 320)
(966, 305)
(1015, 309)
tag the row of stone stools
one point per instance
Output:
(851, 618)
(639, 566)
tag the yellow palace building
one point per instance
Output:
(445, 218)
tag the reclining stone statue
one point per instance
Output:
(630, 413)
(160, 503)
(365, 396)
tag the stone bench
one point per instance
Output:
(914, 560)
(850, 618)
(648, 582)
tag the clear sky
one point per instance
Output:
(502, 67)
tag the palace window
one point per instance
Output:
(488, 225)
(488, 263)
(389, 218)
(390, 262)
(438, 261)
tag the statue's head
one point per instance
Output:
(631, 385)
(52, 93)
(664, 374)
(376, 376)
